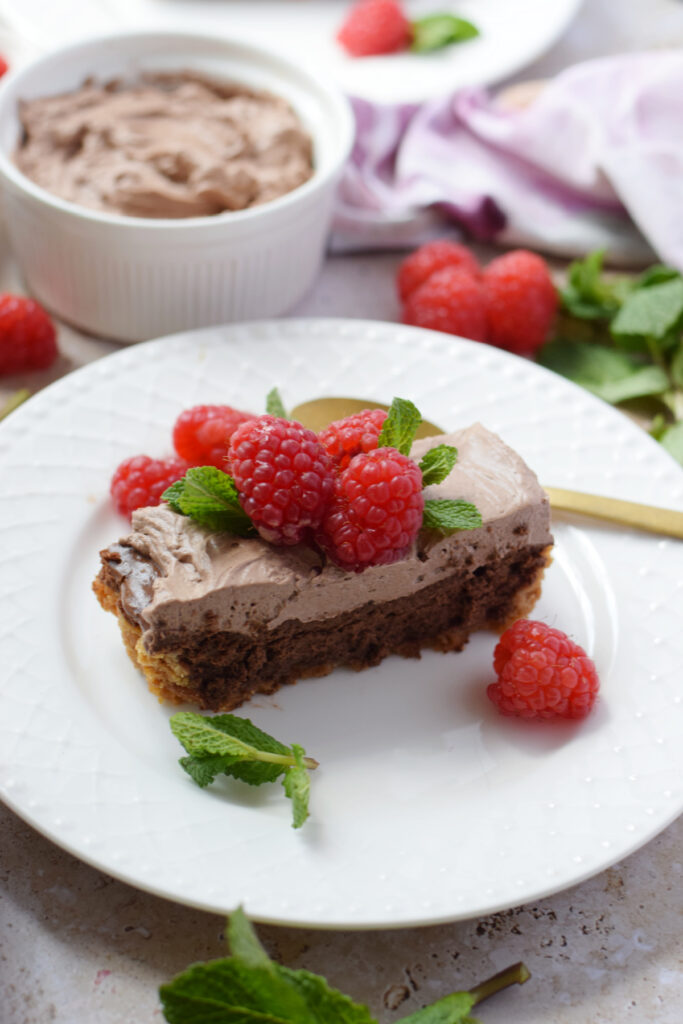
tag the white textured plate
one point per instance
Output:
(512, 35)
(427, 806)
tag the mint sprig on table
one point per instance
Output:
(250, 987)
(621, 337)
(229, 745)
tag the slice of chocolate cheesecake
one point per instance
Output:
(212, 619)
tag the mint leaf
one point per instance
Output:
(652, 312)
(274, 404)
(400, 426)
(209, 496)
(250, 988)
(229, 745)
(656, 274)
(447, 516)
(453, 1009)
(672, 440)
(588, 294)
(297, 783)
(244, 942)
(613, 375)
(438, 30)
(437, 463)
(204, 768)
(229, 991)
(328, 1005)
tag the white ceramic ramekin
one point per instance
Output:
(133, 278)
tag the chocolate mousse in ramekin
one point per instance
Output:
(157, 182)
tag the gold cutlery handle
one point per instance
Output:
(319, 412)
(628, 513)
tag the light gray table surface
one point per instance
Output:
(81, 948)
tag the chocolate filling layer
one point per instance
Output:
(219, 670)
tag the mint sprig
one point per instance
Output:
(435, 31)
(613, 375)
(621, 337)
(209, 496)
(589, 294)
(249, 986)
(400, 427)
(229, 745)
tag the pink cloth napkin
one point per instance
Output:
(596, 160)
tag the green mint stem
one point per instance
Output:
(286, 759)
(14, 401)
(655, 352)
(515, 975)
(677, 404)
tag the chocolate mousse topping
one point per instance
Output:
(169, 145)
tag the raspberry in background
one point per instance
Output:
(352, 435)
(201, 435)
(376, 512)
(139, 481)
(28, 340)
(521, 301)
(373, 27)
(421, 264)
(450, 300)
(542, 673)
(4, 66)
(284, 477)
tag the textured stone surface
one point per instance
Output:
(79, 948)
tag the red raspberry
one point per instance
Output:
(28, 339)
(201, 435)
(421, 264)
(284, 477)
(140, 481)
(375, 27)
(354, 434)
(521, 301)
(376, 512)
(451, 300)
(4, 66)
(542, 674)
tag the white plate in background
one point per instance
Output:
(512, 35)
(428, 806)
